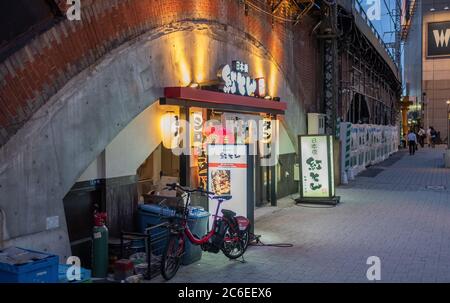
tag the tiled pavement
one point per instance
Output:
(392, 215)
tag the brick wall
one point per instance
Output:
(33, 74)
(307, 64)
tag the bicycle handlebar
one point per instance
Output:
(173, 186)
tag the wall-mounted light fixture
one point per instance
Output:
(194, 85)
(260, 87)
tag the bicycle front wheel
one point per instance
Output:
(171, 259)
(235, 243)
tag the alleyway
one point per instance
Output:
(398, 211)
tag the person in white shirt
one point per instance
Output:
(412, 141)
(429, 136)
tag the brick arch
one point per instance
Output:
(49, 153)
(35, 73)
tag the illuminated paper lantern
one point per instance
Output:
(170, 129)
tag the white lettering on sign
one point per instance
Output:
(315, 166)
(237, 81)
(441, 37)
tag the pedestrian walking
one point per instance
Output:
(422, 135)
(412, 142)
(433, 135)
(429, 136)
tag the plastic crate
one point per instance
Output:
(37, 271)
(150, 215)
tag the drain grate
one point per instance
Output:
(435, 187)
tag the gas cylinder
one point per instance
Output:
(99, 246)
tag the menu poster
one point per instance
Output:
(227, 175)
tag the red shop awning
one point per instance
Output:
(193, 97)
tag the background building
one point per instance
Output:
(427, 63)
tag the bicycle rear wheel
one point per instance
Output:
(171, 259)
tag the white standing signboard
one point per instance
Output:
(317, 176)
(227, 175)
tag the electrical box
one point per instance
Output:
(316, 124)
(296, 172)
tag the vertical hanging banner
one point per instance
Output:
(317, 170)
(227, 176)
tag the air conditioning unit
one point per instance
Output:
(316, 124)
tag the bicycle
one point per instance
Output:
(229, 233)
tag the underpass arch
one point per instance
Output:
(52, 150)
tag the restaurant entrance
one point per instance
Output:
(220, 118)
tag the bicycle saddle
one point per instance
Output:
(225, 197)
(228, 213)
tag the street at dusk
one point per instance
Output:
(224, 150)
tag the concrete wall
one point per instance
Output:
(95, 170)
(39, 165)
(286, 144)
(131, 147)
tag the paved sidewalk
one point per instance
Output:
(394, 215)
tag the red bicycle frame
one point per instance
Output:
(208, 236)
